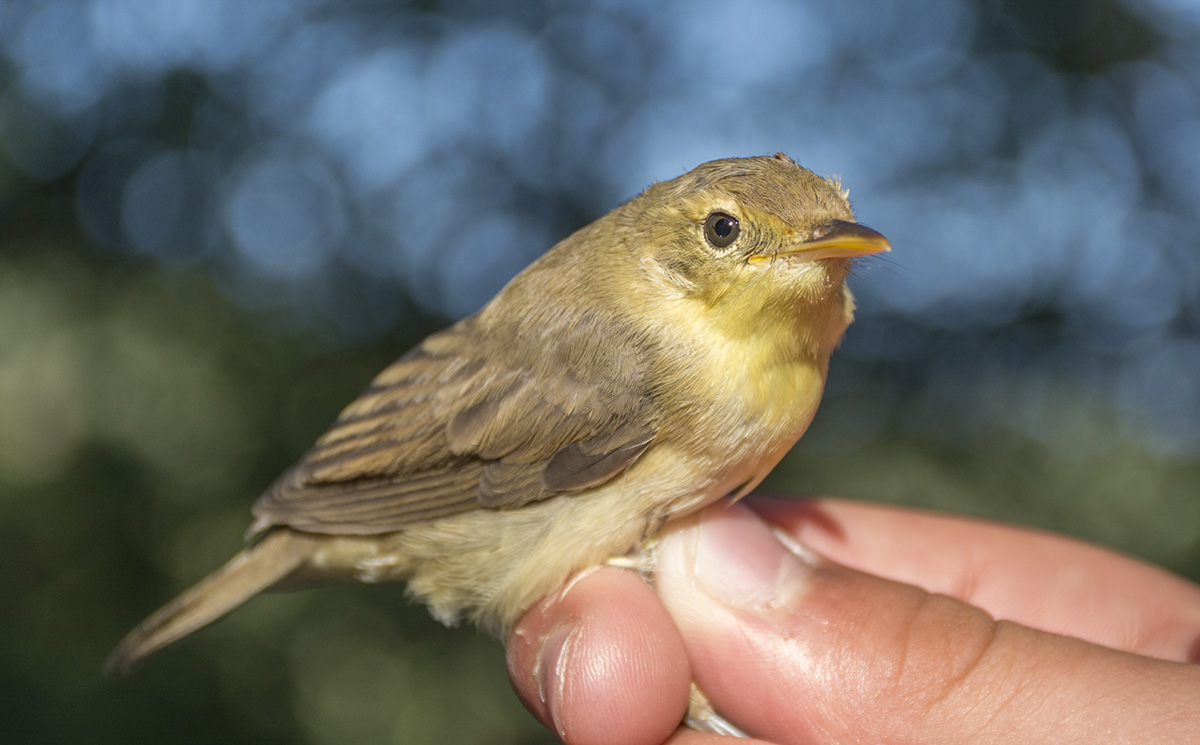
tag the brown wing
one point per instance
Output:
(463, 422)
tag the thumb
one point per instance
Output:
(797, 649)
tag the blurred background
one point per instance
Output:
(219, 219)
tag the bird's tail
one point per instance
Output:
(266, 563)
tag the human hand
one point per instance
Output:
(796, 647)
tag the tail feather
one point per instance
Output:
(255, 569)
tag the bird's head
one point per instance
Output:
(761, 245)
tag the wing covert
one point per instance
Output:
(460, 423)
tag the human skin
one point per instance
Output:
(833, 621)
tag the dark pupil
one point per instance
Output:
(723, 226)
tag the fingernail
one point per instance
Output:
(741, 562)
(552, 660)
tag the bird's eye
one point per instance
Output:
(721, 229)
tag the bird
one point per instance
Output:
(662, 358)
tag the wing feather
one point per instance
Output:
(462, 422)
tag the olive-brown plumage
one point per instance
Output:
(658, 359)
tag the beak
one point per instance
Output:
(839, 240)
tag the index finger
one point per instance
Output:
(1046, 581)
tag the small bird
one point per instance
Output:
(659, 359)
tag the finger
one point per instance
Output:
(798, 649)
(602, 662)
(1047, 581)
